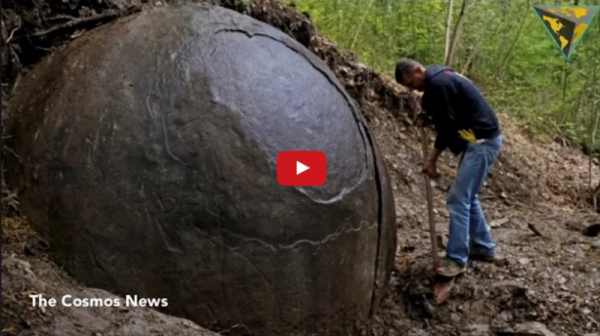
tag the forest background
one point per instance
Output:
(501, 45)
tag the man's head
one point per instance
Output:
(411, 74)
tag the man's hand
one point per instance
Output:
(423, 120)
(430, 169)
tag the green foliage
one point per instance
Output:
(519, 68)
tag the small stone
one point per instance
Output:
(596, 244)
(502, 262)
(478, 329)
(429, 308)
(498, 222)
(510, 287)
(441, 244)
(505, 316)
(532, 329)
(523, 261)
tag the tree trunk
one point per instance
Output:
(457, 31)
(448, 27)
(502, 10)
(360, 24)
(337, 12)
(581, 100)
(595, 192)
(430, 36)
(593, 139)
(514, 42)
(414, 31)
(478, 44)
(591, 152)
(565, 80)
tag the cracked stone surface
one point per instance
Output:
(147, 157)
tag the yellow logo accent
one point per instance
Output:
(468, 135)
(566, 24)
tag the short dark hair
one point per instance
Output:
(405, 67)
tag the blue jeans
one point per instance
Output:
(468, 228)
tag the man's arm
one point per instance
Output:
(431, 164)
(444, 120)
(435, 154)
(445, 117)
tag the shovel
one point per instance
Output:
(442, 289)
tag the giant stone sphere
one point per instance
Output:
(145, 151)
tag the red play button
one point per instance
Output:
(301, 168)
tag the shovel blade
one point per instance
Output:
(442, 290)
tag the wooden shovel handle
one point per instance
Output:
(432, 232)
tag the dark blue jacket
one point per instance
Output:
(454, 103)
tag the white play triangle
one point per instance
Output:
(300, 168)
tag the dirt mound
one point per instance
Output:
(27, 271)
(553, 278)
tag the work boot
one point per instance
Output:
(449, 268)
(478, 254)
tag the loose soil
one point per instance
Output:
(536, 202)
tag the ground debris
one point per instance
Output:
(535, 230)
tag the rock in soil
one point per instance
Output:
(529, 329)
(592, 230)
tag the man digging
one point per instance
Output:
(466, 125)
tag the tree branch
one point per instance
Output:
(82, 22)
